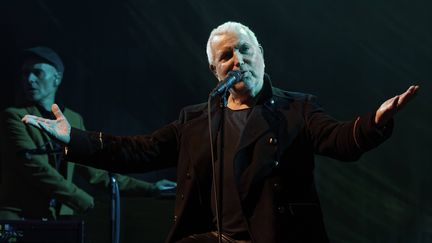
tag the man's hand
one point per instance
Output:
(164, 185)
(58, 128)
(390, 107)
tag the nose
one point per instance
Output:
(238, 59)
(31, 78)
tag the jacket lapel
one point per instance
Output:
(197, 133)
(264, 119)
(248, 170)
(259, 122)
(34, 111)
(46, 140)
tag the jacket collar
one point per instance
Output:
(262, 116)
(259, 120)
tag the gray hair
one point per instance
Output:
(226, 28)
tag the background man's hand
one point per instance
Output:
(58, 128)
(391, 106)
(164, 184)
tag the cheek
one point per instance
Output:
(221, 71)
(259, 64)
(47, 85)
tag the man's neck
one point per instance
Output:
(239, 102)
(46, 104)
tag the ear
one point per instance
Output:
(57, 79)
(261, 49)
(213, 70)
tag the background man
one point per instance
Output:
(270, 138)
(36, 180)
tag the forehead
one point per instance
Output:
(231, 39)
(38, 64)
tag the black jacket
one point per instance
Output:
(273, 164)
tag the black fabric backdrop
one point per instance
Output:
(131, 65)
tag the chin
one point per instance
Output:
(30, 98)
(239, 86)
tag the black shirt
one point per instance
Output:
(233, 221)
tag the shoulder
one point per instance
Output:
(10, 119)
(284, 97)
(15, 113)
(192, 111)
(195, 108)
(71, 114)
(14, 110)
(74, 118)
(291, 95)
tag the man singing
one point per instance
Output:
(264, 191)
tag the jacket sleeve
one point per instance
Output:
(345, 141)
(125, 154)
(34, 169)
(128, 186)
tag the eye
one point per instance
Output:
(225, 56)
(244, 48)
(37, 72)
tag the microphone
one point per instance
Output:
(232, 78)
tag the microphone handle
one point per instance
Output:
(232, 78)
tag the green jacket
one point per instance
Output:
(29, 182)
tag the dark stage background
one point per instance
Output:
(131, 65)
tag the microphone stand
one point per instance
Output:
(223, 105)
(221, 89)
(115, 209)
(218, 195)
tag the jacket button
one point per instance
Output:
(175, 218)
(276, 163)
(182, 196)
(277, 187)
(188, 175)
(273, 141)
(272, 101)
(281, 209)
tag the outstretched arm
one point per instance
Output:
(121, 154)
(347, 141)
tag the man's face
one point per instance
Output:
(39, 81)
(237, 51)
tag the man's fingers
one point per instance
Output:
(408, 95)
(390, 104)
(395, 102)
(393, 105)
(32, 120)
(27, 118)
(166, 184)
(171, 183)
(36, 121)
(57, 112)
